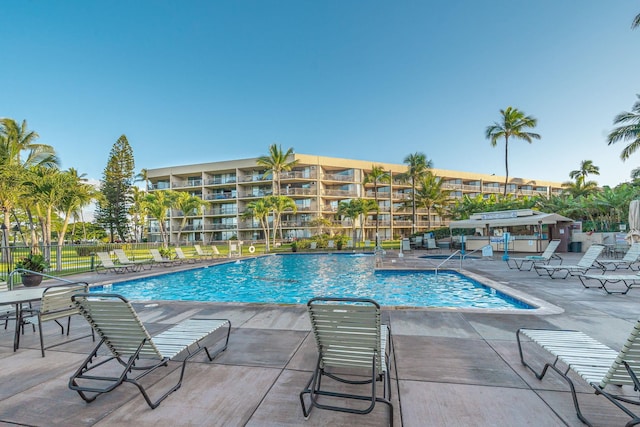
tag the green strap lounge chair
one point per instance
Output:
(528, 261)
(55, 305)
(136, 351)
(587, 262)
(348, 336)
(601, 367)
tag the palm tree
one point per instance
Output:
(513, 124)
(189, 205)
(276, 163)
(259, 210)
(353, 209)
(579, 188)
(14, 140)
(636, 22)
(628, 131)
(157, 205)
(137, 211)
(417, 167)
(586, 168)
(278, 205)
(376, 176)
(430, 194)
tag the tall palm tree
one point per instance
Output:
(189, 205)
(417, 167)
(157, 205)
(279, 205)
(636, 22)
(586, 168)
(430, 194)
(259, 210)
(277, 162)
(353, 209)
(513, 123)
(377, 176)
(628, 131)
(579, 188)
(137, 211)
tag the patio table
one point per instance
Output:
(17, 298)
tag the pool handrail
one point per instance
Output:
(475, 250)
(448, 258)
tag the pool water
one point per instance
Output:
(294, 279)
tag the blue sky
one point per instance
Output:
(203, 81)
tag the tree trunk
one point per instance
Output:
(506, 163)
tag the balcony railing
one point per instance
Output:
(337, 177)
(220, 181)
(298, 175)
(341, 193)
(220, 226)
(182, 184)
(226, 211)
(298, 191)
(219, 196)
(253, 178)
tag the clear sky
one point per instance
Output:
(203, 81)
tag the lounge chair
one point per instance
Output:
(629, 281)
(202, 254)
(587, 262)
(313, 245)
(138, 264)
(136, 351)
(106, 264)
(544, 258)
(601, 367)
(348, 336)
(158, 260)
(182, 257)
(630, 258)
(331, 244)
(216, 253)
(55, 304)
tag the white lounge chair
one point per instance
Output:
(629, 281)
(313, 245)
(587, 262)
(201, 253)
(544, 258)
(124, 260)
(106, 264)
(331, 244)
(136, 351)
(158, 260)
(630, 258)
(349, 336)
(182, 257)
(601, 367)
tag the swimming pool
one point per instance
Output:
(294, 279)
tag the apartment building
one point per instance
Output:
(317, 185)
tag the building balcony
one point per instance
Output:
(219, 196)
(340, 193)
(253, 178)
(337, 177)
(298, 191)
(209, 227)
(184, 184)
(226, 211)
(220, 181)
(298, 175)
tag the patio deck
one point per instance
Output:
(448, 367)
